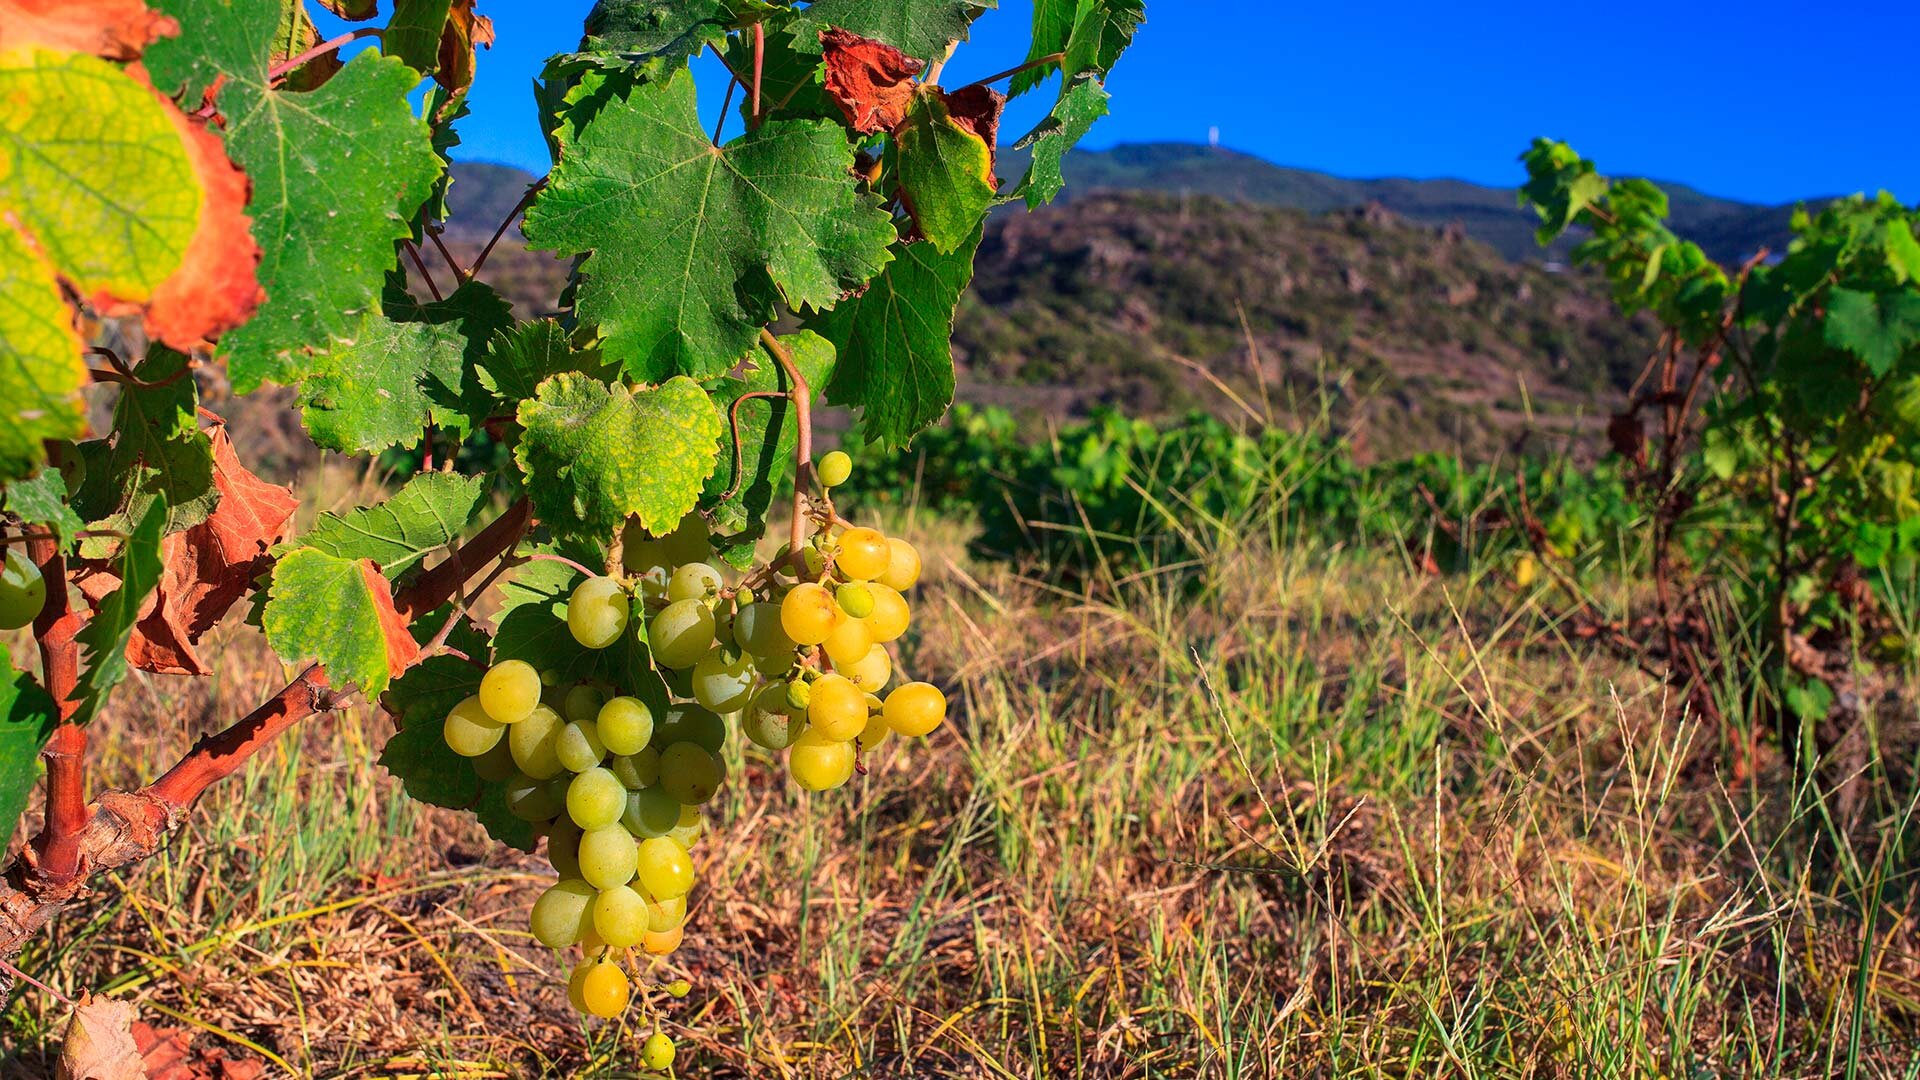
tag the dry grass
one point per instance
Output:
(1322, 817)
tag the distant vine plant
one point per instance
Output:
(189, 187)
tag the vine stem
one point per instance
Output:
(759, 66)
(733, 423)
(526, 200)
(413, 253)
(284, 67)
(1050, 58)
(546, 556)
(65, 754)
(123, 827)
(802, 398)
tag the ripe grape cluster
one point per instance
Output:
(794, 654)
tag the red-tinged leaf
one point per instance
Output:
(466, 31)
(211, 566)
(352, 10)
(402, 651)
(978, 109)
(110, 29)
(216, 287)
(871, 81)
(168, 1054)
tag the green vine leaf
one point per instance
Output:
(431, 511)
(327, 230)
(43, 500)
(370, 392)
(688, 246)
(27, 720)
(895, 341)
(1877, 328)
(768, 433)
(157, 453)
(595, 454)
(1083, 102)
(521, 358)
(945, 170)
(475, 312)
(340, 613)
(413, 33)
(103, 641)
(920, 28)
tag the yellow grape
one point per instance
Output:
(469, 731)
(890, 615)
(657, 1052)
(663, 943)
(915, 709)
(681, 633)
(576, 981)
(834, 468)
(620, 916)
(688, 542)
(509, 691)
(605, 990)
(818, 763)
(849, 641)
(876, 731)
(563, 913)
(608, 856)
(687, 831)
(535, 743)
(872, 671)
(807, 613)
(903, 565)
(665, 868)
(665, 915)
(597, 612)
(863, 555)
(578, 746)
(837, 710)
(596, 799)
(626, 725)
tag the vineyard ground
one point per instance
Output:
(1336, 818)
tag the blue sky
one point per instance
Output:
(1757, 100)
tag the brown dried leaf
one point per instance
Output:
(465, 31)
(111, 29)
(99, 1043)
(871, 81)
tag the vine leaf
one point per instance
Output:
(1102, 30)
(371, 392)
(691, 245)
(895, 341)
(328, 234)
(595, 454)
(425, 515)
(210, 567)
(1083, 102)
(340, 613)
(646, 37)
(466, 31)
(459, 401)
(103, 641)
(157, 453)
(413, 33)
(1877, 328)
(43, 499)
(527, 354)
(27, 719)
(419, 757)
(946, 169)
(767, 434)
(110, 29)
(871, 81)
(919, 27)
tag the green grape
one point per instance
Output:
(808, 614)
(496, 765)
(665, 915)
(563, 913)
(549, 678)
(637, 770)
(774, 729)
(838, 710)
(620, 917)
(626, 725)
(690, 773)
(563, 847)
(876, 731)
(681, 633)
(872, 671)
(607, 856)
(691, 826)
(657, 1052)
(690, 723)
(816, 560)
(23, 591)
(469, 731)
(915, 709)
(799, 695)
(595, 799)
(834, 469)
(818, 763)
(578, 746)
(903, 565)
(650, 812)
(678, 988)
(665, 869)
(605, 990)
(890, 615)
(582, 702)
(694, 581)
(534, 743)
(863, 554)
(509, 691)
(855, 599)
(721, 684)
(848, 642)
(597, 612)
(530, 799)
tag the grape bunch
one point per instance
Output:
(794, 654)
